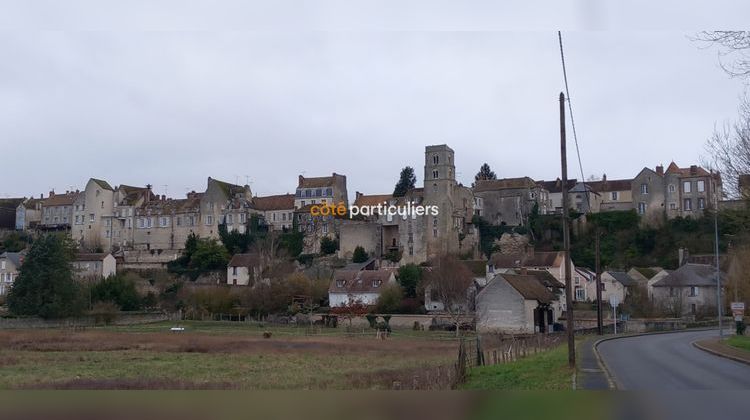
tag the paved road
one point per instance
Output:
(667, 362)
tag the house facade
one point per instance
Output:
(349, 286)
(277, 210)
(94, 266)
(515, 304)
(10, 265)
(29, 214)
(689, 290)
(510, 201)
(57, 211)
(244, 269)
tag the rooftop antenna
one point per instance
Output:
(165, 189)
(247, 179)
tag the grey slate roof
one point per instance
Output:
(691, 275)
(623, 278)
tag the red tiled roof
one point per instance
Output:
(61, 199)
(274, 202)
(245, 260)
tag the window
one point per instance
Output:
(229, 219)
(580, 293)
(163, 221)
(686, 186)
(318, 192)
(693, 291)
(701, 186)
(91, 217)
(701, 203)
(329, 191)
(107, 234)
(644, 188)
(411, 250)
(303, 203)
(178, 221)
(141, 223)
(243, 218)
(672, 292)
(435, 174)
(376, 283)
(435, 159)
(325, 228)
(308, 193)
(641, 208)
(2, 265)
(614, 196)
(671, 188)
(209, 220)
(532, 195)
(102, 204)
(687, 205)
(434, 233)
(283, 216)
(234, 271)
(149, 222)
(340, 283)
(672, 206)
(578, 280)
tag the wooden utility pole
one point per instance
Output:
(566, 239)
(599, 316)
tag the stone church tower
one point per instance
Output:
(439, 188)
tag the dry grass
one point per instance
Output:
(106, 359)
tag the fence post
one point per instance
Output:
(480, 353)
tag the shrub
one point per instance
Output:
(119, 290)
(359, 255)
(390, 299)
(328, 246)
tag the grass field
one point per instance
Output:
(214, 355)
(543, 371)
(741, 342)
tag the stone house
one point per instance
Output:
(510, 201)
(583, 281)
(94, 266)
(164, 223)
(689, 290)
(552, 262)
(349, 286)
(367, 234)
(57, 211)
(277, 211)
(244, 269)
(615, 194)
(10, 264)
(555, 191)
(29, 214)
(515, 304)
(321, 190)
(584, 199)
(685, 192)
(615, 285)
(93, 215)
(660, 274)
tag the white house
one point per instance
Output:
(244, 267)
(10, 263)
(94, 266)
(614, 284)
(349, 286)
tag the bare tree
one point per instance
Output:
(728, 149)
(449, 281)
(734, 50)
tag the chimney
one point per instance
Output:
(604, 177)
(301, 178)
(660, 170)
(693, 169)
(163, 197)
(41, 196)
(52, 193)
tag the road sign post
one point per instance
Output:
(613, 301)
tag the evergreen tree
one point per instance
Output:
(45, 285)
(406, 181)
(485, 173)
(359, 255)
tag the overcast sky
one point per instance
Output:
(175, 107)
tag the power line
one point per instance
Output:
(573, 123)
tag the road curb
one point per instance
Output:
(720, 354)
(610, 378)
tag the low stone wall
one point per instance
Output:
(123, 318)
